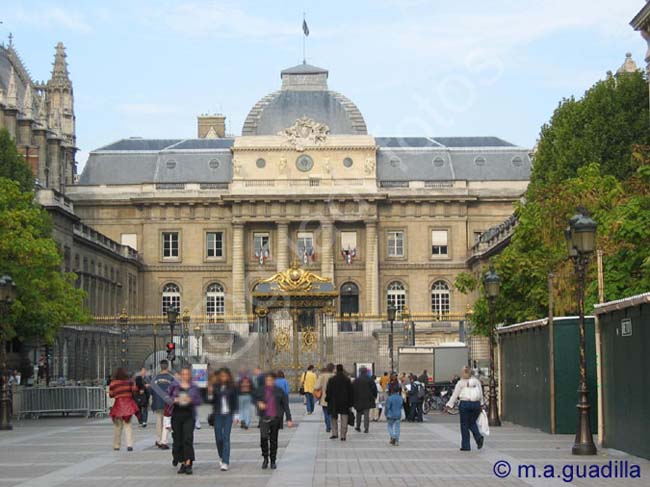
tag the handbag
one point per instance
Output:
(351, 417)
(211, 419)
(483, 424)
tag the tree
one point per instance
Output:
(46, 297)
(12, 164)
(602, 127)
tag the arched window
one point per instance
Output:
(440, 298)
(215, 300)
(171, 297)
(396, 295)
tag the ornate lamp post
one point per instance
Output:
(391, 318)
(172, 315)
(186, 334)
(124, 330)
(581, 243)
(492, 284)
(154, 354)
(7, 295)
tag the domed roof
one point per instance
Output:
(304, 93)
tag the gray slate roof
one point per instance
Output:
(277, 111)
(138, 161)
(303, 68)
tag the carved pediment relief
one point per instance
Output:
(304, 132)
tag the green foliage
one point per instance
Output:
(602, 128)
(47, 298)
(466, 282)
(12, 164)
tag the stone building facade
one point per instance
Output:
(40, 117)
(389, 219)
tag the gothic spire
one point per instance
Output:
(12, 91)
(28, 102)
(60, 69)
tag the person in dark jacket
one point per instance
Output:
(364, 396)
(339, 401)
(159, 397)
(186, 397)
(273, 404)
(142, 396)
(225, 402)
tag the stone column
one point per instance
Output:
(238, 270)
(40, 141)
(54, 153)
(283, 246)
(327, 250)
(372, 269)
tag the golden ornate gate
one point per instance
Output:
(295, 312)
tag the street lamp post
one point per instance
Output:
(124, 329)
(154, 354)
(7, 295)
(581, 243)
(492, 284)
(391, 318)
(409, 326)
(172, 315)
(186, 334)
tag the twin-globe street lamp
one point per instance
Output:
(581, 243)
(7, 295)
(492, 285)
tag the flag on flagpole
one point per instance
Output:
(305, 28)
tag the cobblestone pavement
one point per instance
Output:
(77, 452)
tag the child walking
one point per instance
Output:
(393, 411)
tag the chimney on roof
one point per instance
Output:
(211, 126)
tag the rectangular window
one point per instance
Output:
(214, 244)
(396, 244)
(305, 244)
(348, 241)
(439, 242)
(170, 245)
(262, 245)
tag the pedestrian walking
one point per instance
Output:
(245, 398)
(415, 396)
(273, 404)
(385, 379)
(159, 398)
(364, 393)
(380, 399)
(308, 381)
(122, 390)
(393, 413)
(225, 403)
(320, 389)
(469, 392)
(339, 402)
(142, 396)
(185, 396)
(281, 382)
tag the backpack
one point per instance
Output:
(421, 391)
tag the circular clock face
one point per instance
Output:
(260, 163)
(347, 162)
(304, 163)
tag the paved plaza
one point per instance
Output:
(77, 452)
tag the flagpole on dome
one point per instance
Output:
(305, 31)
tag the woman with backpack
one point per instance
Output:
(469, 392)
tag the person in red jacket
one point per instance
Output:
(122, 390)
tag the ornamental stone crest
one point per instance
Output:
(305, 131)
(295, 279)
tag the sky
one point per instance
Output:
(147, 68)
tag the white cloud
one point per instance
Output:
(51, 18)
(220, 19)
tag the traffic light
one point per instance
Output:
(171, 351)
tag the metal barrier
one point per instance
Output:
(39, 401)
